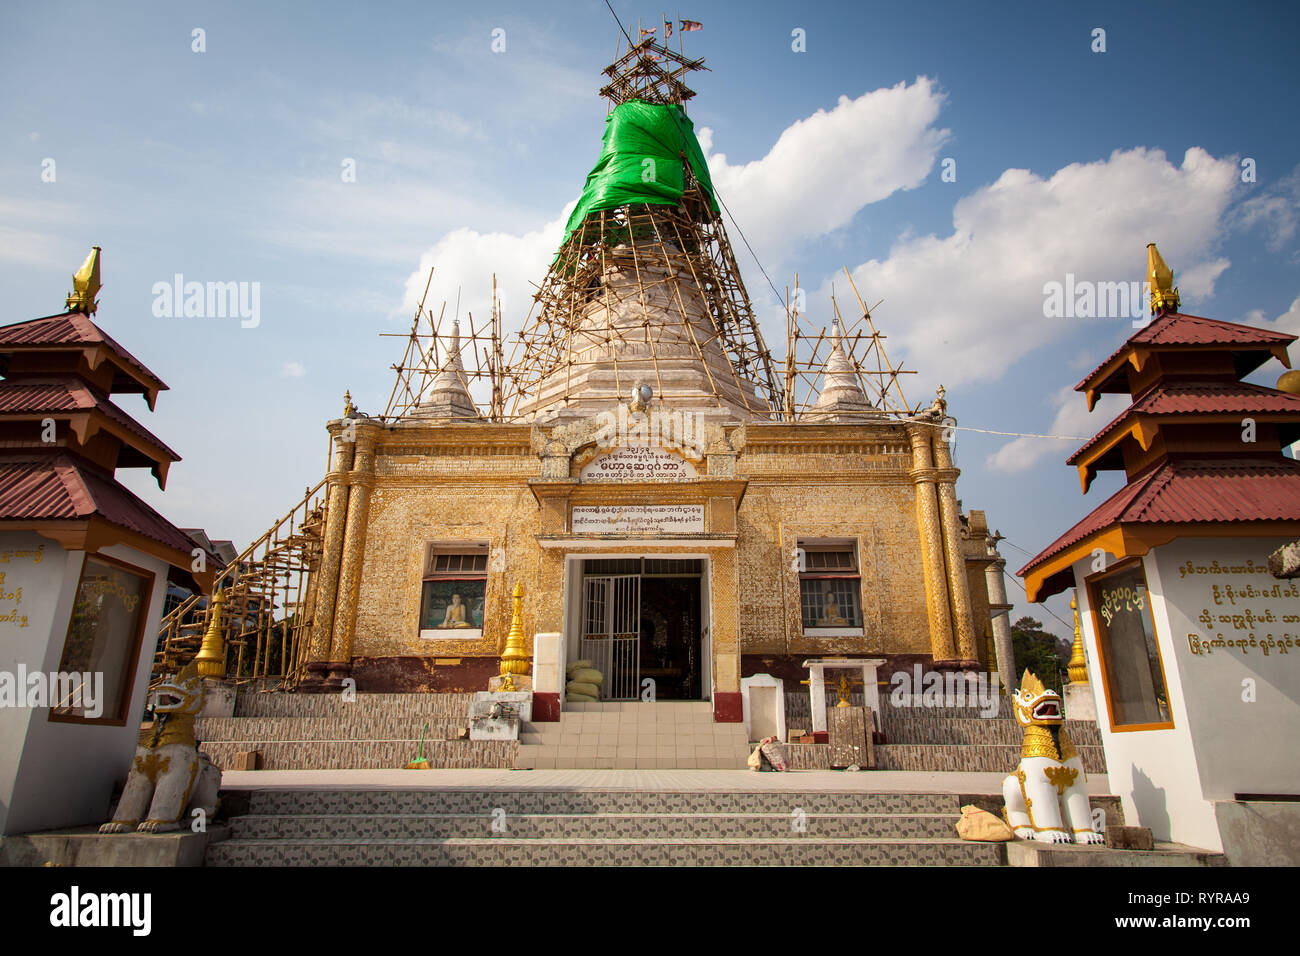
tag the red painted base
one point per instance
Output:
(546, 707)
(821, 737)
(728, 707)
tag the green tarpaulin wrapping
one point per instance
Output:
(641, 161)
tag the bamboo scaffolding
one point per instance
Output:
(808, 348)
(429, 352)
(269, 604)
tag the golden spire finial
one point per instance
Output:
(348, 408)
(1164, 297)
(85, 285)
(211, 658)
(514, 659)
(1078, 666)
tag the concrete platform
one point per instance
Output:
(86, 846)
(1032, 853)
(742, 781)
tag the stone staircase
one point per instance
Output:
(577, 827)
(376, 731)
(951, 738)
(326, 732)
(633, 736)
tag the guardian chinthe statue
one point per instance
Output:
(169, 778)
(1046, 798)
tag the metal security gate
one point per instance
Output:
(611, 632)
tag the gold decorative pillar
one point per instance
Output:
(360, 481)
(958, 585)
(927, 520)
(327, 575)
(724, 636)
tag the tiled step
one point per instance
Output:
(911, 729)
(993, 758)
(521, 802)
(696, 707)
(595, 826)
(363, 754)
(634, 735)
(631, 758)
(507, 851)
(423, 706)
(577, 827)
(798, 704)
(347, 727)
(371, 731)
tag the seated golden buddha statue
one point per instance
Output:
(455, 616)
(831, 613)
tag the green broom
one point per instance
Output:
(420, 762)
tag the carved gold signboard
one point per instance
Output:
(638, 519)
(638, 463)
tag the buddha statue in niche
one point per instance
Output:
(455, 616)
(831, 611)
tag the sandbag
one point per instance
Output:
(581, 687)
(982, 826)
(775, 754)
(587, 675)
(582, 698)
(769, 754)
(577, 666)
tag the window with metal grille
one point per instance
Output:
(830, 586)
(457, 563)
(670, 567)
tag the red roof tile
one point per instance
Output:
(1173, 329)
(1178, 328)
(1200, 398)
(57, 394)
(73, 329)
(1192, 492)
(59, 488)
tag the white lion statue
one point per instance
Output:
(1050, 774)
(169, 778)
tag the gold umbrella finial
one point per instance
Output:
(211, 658)
(1160, 278)
(348, 408)
(85, 286)
(514, 659)
(1078, 666)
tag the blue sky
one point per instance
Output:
(225, 165)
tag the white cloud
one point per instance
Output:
(464, 261)
(292, 370)
(1276, 208)
(823, 169)
(1288, 321)
(965, 307)
(1072, 418)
